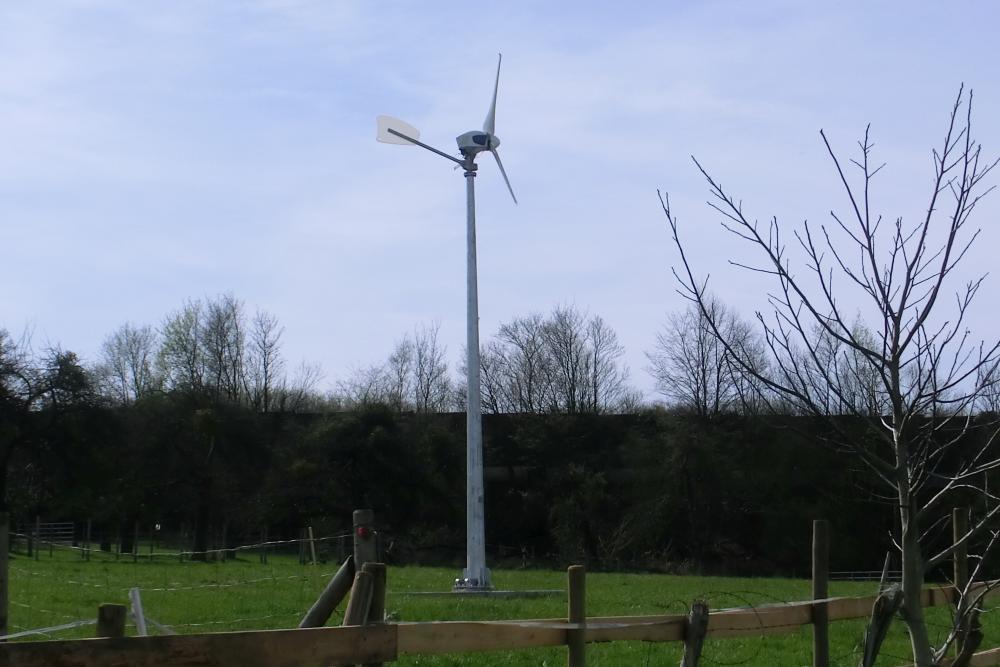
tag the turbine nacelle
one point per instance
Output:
(477, 141)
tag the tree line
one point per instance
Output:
(707, 361)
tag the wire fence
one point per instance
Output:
(20, 542)
(251, 594)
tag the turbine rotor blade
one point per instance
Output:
(489, 125)
(503, 173)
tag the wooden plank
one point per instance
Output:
(311, 647)
(845, 609)
(762, 621)
(666, 629)
(467, 636)
(986, 658)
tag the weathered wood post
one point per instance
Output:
(694, 633)
(576, 579)
(376, 611)
(820, 591)
(361, 599)
(364, 538)
(86, 545)
(312, 545)
(111, 620)
(376, 614)
(334, 593)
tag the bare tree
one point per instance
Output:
(928, 372)
(181, 359)
(565, 337)
(127, 367)
(432, 390)
(399, 374)
(494, 382)
(608, 377)
(223, 339)
(299, 394)
(413, 377)
(989, 398)
(265, 366)
(366, 386)
(562, 363)
(204, 349)
(694, 369)
(860, 382)
(524, 366)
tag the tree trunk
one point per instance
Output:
(127, 542)
(912, 609)
(201, 521)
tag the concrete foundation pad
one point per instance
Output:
(485, 594)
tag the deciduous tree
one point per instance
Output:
(927, 369)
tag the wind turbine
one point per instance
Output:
(476, 576)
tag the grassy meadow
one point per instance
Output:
(244, 594)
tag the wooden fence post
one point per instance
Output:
(263, 546)
(376, 611)
(364, 538)
(820, 591)
(332, 595)
(576, 579)
(694, 633)
(111, 620)
(312, 545)
(361, 599)
(86, 546)
(376, 614)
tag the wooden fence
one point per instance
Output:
(386, 642)
(377, 642)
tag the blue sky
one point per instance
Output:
(157, 151)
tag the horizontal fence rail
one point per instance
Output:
(387, 642)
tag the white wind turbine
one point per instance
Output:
(476, 576)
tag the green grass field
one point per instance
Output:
(244, 594)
